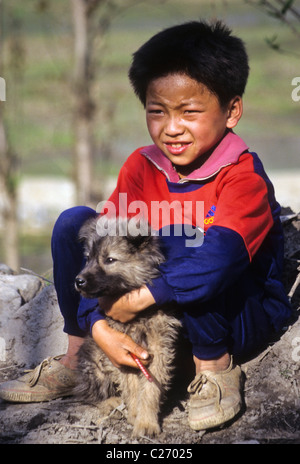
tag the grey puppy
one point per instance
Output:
(121, 256)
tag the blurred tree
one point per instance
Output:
(84, 34)
(91, 20)
(8, 158)
(286, 11)
(9, 197)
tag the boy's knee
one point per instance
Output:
(69, 221)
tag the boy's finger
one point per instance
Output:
(139, 351)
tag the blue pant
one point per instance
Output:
(68, 260)
(213, 327)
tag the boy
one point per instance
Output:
(190, 79)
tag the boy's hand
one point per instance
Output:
(117, 345)
(128, 306)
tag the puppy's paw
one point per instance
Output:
(145, 428)
(108, 405)
(131, 417)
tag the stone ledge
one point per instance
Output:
(31, 325)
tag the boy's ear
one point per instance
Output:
(235, 111)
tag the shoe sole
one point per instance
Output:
(28, 397)
(215, 419)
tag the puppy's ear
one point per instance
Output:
(138, 241)
(139, 232)
(87, 232)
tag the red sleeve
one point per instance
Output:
(243, 206)
(129, 186)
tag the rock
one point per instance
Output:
(10, 300)
(31, 325)
(290, 345)
(43, 335)
(4, 269)
(27, 286)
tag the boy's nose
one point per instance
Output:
(174, 127)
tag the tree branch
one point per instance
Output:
(279, 12)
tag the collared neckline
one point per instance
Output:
(226, 153)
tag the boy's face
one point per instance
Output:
(185, 120)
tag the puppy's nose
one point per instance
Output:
(80, 282)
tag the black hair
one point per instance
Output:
(205, 52)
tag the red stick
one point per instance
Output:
(142, 367)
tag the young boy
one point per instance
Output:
(190, 79)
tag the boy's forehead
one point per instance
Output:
(176, 87)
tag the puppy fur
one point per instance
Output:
(119, 261)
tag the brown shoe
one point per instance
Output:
(48, 381)
(215, 398)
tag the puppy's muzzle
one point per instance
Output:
(80, 283)
(87, 287)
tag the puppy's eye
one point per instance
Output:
(110, 260)
(86, 256)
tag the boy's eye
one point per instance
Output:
(192, 111)
(155, 112)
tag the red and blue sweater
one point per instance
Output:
(241, 225)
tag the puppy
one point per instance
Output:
(122, 257)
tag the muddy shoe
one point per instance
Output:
(48, 381)
(215, 398)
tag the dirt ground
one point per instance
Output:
(271, 414)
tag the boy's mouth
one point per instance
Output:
(176, 148)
